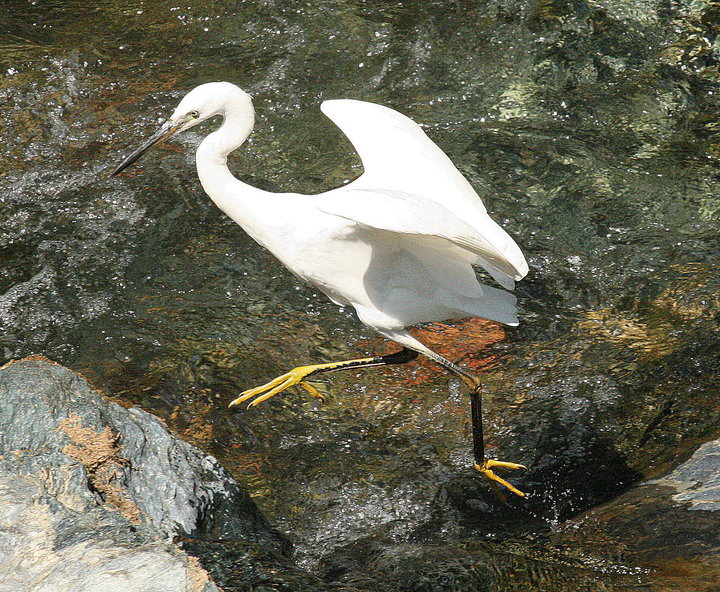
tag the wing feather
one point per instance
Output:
(400, 212)
(405, 170)
(397, 154)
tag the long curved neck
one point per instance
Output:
(211, 155)
(242, 202)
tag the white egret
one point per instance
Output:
(398, 244)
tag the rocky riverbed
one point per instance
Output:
(590, 131)
(96, 496)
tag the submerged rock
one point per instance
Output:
(666, 529)
(660, 536)
(697, 481)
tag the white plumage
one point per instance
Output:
(398, 244)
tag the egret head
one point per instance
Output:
(201, 103)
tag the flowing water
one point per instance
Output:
(589, 130)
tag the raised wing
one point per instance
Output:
(397, 211)
(397, 155)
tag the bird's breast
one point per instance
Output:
(333, 257)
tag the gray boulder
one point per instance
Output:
(93, 494)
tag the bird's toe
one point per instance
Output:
(485, 469)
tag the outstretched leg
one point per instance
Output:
(482, 464)
(297, 376)
(410, 350)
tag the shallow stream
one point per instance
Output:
(590, 131)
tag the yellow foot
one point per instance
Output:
(295, 377)
(485, 469)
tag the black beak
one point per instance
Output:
(166, 130)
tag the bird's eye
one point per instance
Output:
(194, 114)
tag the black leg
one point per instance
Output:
(483, 465)
(477, 426)
(403, 356)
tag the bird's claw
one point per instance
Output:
(485, 469)
(262, 393)
(312, 390)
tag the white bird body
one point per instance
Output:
(398, 244)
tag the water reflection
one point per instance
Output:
(588, 131)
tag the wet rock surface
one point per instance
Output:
(661, 535)
(667, 528)
(92, 491)
(49, 547)
(93, 494)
